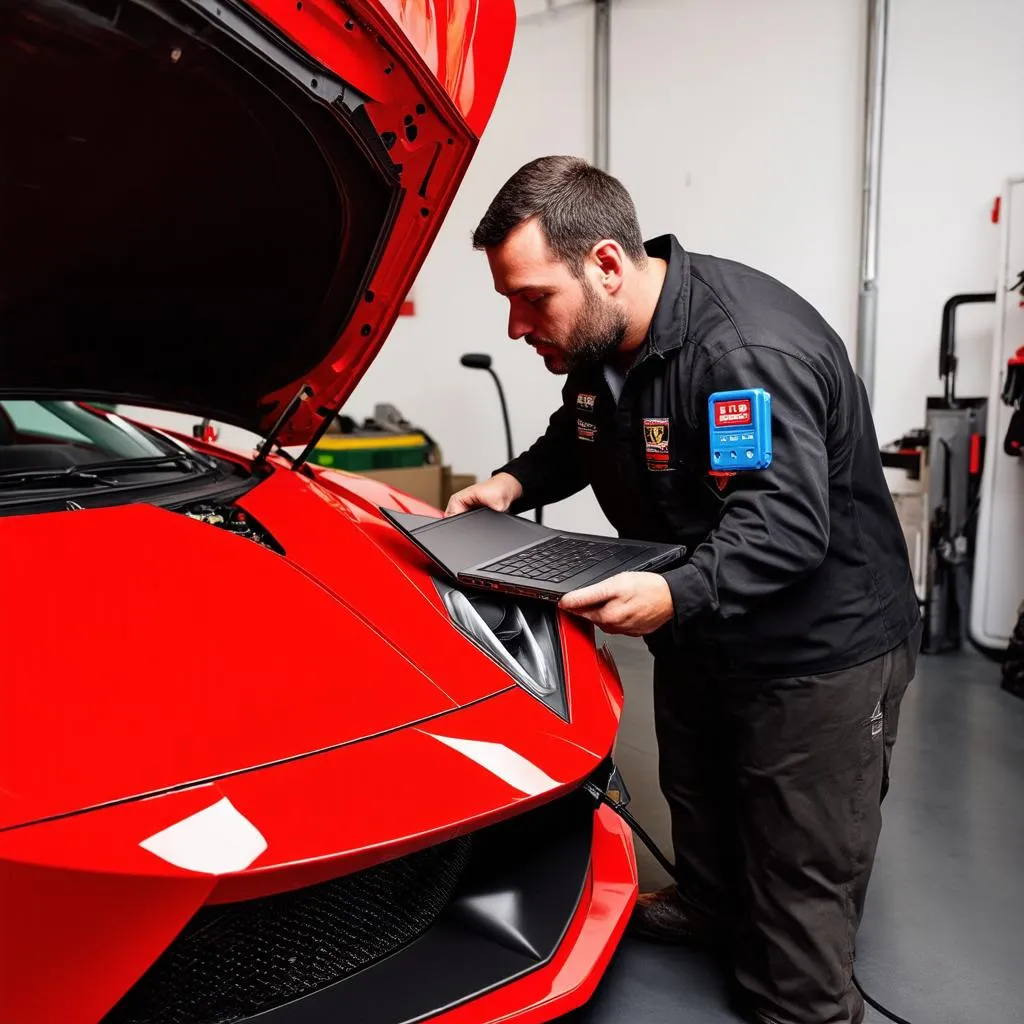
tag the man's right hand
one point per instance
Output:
(498, 493)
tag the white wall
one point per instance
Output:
(741, 135)
(953, 131)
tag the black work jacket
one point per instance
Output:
(796, 569)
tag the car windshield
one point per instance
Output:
(56, 435)
(52, 451)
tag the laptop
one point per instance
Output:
(497, 551)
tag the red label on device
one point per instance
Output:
(732, 414)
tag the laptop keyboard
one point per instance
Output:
(555, 560)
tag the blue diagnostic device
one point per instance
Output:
(740, 430)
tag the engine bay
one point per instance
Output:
(234, 520)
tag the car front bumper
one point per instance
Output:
(538, 909)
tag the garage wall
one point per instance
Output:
(953, 131)
(742, 134)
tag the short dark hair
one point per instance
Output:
(576, 204)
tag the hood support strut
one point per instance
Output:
(327, 417)
(302, 395)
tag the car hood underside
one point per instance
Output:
(218, 207)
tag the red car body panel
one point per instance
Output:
(98, 953)
(140, 758)
(320, 704)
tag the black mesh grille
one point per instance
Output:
(236, 960)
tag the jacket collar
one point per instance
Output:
(667, 331)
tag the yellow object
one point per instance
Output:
(347, 443)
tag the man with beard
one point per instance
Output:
(784, 644)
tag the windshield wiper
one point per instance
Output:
(70, 476)
(98, 472)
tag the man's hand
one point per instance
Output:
(633, 603)
(498, 493)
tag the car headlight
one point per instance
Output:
(522, 636)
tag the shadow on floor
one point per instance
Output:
(944, 924)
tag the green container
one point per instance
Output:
(363, 451)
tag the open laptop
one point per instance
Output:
(497, 551)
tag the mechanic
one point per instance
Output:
(785, 641)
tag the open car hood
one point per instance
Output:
(215, 207)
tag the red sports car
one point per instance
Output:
(258, 761)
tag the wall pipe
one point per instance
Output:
(602, 81)
(867, 311)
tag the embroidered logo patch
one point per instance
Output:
(585, 430)
(656, 444)
(585, 402)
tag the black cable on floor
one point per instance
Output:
(599, 794)
(877, 1005)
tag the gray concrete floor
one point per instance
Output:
(944, 926)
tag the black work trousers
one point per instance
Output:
(775, 789)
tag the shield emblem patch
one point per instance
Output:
(656, 443)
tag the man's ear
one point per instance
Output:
(610, 260)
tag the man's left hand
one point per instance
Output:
(633, 603)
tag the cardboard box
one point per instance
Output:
(432, 484)
(456, 482)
